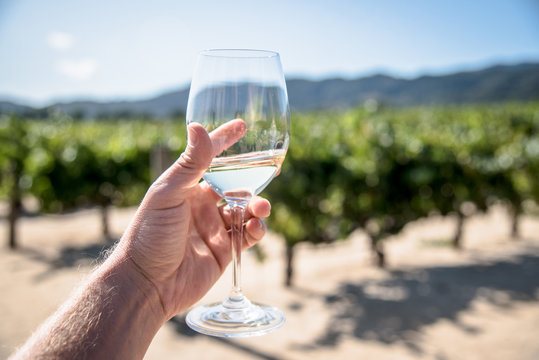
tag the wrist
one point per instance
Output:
(136, 310)
(120, 272)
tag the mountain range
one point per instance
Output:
(493, 84)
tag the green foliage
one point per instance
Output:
(14, 148)
(67, 163)
(371, 168)
(379, 170)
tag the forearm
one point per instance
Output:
(114, 315)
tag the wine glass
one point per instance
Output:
(247, 85)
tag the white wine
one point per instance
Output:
(244, 175)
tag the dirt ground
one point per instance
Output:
(432, 302)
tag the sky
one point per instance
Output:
(114, 49)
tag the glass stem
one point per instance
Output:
(236, 299)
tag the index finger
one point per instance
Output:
(227, 135)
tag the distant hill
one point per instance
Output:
(497, 83)
(161, 106)
(10, 107)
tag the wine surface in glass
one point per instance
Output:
(245, 173)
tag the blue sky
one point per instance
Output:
(103, 49)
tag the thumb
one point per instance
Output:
(193, 162)
(201, 148)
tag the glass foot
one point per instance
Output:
(222, 321)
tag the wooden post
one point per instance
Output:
(15, 203)
(378, 251)
(161, 157)
(457, 240)
(516, 210)
(289, 272)
(105, 221)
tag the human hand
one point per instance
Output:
(178, 239)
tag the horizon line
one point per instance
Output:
(403, 75)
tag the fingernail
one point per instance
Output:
(243, 127)
(262, 224)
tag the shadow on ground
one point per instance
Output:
(396, 309)
(182, 329)
(70, 256)
(389, 311)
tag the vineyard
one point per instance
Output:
(370, 168)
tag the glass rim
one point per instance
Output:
(240, 53)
